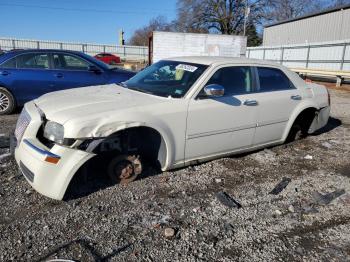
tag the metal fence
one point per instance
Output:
(139, 53)
(327, 55)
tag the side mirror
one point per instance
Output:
(214, 90)
(94, 69)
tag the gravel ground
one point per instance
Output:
(307, 221)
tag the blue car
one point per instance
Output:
(28, 74)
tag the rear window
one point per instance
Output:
(273, 79)
(33, 61)
(11, 63)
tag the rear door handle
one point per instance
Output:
(4, 73)
(250, 103)
(59, 75)
(296, 97)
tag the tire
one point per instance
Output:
(7, 102)
(124, 169)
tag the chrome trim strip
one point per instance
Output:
(39, 150)
(217, 132)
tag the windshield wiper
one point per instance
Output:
(140, 90)
(123, 84)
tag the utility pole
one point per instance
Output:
(246, 15)
(121, 37)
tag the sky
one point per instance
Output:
(91, 21)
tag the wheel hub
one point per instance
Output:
(4, 102)
(126, 169)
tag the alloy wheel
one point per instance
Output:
(4, 102)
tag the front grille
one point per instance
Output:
(22, 124)
(26, 172)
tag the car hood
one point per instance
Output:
(89, 102)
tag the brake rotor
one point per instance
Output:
(125, 168)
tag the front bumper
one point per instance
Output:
(49, 179)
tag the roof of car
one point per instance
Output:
(22, 51)
(209, 60)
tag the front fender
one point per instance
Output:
(105, 128)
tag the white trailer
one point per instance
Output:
(163, 45)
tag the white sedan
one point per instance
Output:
(174, 113)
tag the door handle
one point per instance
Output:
(4, 73)
(250, 103)
(59, 75)
(296, 97)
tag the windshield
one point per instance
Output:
(166, 78)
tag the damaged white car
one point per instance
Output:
(174, 113)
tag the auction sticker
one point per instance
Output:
(189, 68)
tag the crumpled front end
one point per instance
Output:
(48, 169)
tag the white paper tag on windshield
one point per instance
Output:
(189, 68)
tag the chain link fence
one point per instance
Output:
(326, 56)
(126, 52)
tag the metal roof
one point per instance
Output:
(329, 10)
(209, 60)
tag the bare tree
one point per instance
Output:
(220, 16)
(140, 36)
(189, 14)
(279, 10)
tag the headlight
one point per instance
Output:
(54, 132)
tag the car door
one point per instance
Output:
(277, 97)
(222, 124)
(32, 76)
(71, 71)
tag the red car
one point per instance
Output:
(108, 58)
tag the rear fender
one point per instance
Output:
(302, 106)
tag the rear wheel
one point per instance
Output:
(124, 169)
(296, 133)
(7, 102)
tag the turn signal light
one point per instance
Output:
(52, 160)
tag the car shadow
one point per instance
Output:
(92, 177)
(332, 124)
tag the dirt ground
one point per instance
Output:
(309, 220)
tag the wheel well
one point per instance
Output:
(304, 119)
(145, 141)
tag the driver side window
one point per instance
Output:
(236, 80)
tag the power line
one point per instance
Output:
(80, 9)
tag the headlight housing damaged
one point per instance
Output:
(54, 132)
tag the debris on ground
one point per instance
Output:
(280, 186)
(327, 145)
(227, 200)
(291, 209)
(169, 232)
(278, 212)
(308, 157)
(218, 180)
(327, 198)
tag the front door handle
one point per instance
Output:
(296, 97)
(250, 103)
(59, 75)
(4, 73)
